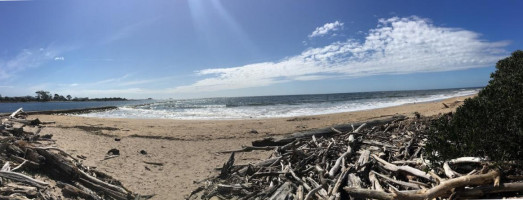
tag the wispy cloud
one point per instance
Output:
(26, 59)
(128, 31)
(326, 28)
(146, 81)
(395, 46)
(111, 80)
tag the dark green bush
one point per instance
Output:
(488, 125)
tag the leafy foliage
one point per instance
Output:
(488, 125)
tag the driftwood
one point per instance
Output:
(15, 113)
(383, 161)
(438, 191)
(490, 189)
(328, 131)
(405, 168)
(31, 154)
(22, 178)
(249, 148)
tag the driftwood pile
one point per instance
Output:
(381, 159)
(34, 169)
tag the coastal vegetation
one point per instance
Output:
(488, 125)
(45, 96)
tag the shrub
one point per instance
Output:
(488, 125)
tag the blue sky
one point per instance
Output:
(205, 48)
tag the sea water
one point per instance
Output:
(277, 106)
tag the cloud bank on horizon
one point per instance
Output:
(396, 46)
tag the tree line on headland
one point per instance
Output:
(44, 96)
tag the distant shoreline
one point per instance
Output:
(238, 108)
(93, 100)
(67, 111)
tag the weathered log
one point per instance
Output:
(360, 127)
(13, 197)
(283, 192)
(448, 185)
(336, 166)
(449, 172)
(441, 190)
(483, 190)
(402, 183)
(33, 122)
(467, 160)
(11, 188)
(104, 184)
(112, 193)
(88, 191)
(299, 193)
(250, 148)
(363, 159)
(58, 165)
(339, 181)
(13, 115)
(74, 192)
(15, 176)
(28, 163)
(376, 143)
(353, 181)
(368, 194)
(226, 169)
(312, 192)
(375, 184)
(282, 140)
(407, 169)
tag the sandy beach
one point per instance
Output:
(187, 148)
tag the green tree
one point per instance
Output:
(488, 125)
(69, 97)
(43, 95)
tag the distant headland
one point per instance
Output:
(45, 96)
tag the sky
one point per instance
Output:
(210, 48)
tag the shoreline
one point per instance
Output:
(188, 149)
(268, 117)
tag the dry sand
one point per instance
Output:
(187, 148)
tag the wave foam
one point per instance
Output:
(173, 111)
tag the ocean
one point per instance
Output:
(276, 106)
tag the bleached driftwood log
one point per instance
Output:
(483, 190)
(407, 169)
(15, 176)
(282, 140)
(440, 190)
(15, 113)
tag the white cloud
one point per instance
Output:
(396, 46)
(326, 28)
(27, 58)
(59, 58)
